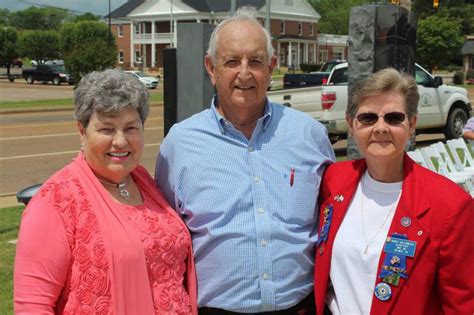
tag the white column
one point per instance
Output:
(297, 55)
(306, 53)
(175, 33)
(289, 55)
(132, 35)
(153, 53)
(278, 54)
(314, 54)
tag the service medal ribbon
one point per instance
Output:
(394, 264)
(324, 231)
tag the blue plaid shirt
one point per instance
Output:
(253, 230)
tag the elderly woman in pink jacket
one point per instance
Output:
(98, 237)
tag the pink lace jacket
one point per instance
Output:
(80, 252)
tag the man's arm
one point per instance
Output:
(468, 130)
(468, 135)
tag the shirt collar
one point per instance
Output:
(222, 122)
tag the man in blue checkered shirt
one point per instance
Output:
(244, 175)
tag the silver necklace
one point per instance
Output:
(367, 244)
(122, 188)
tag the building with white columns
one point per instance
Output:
(143, 28)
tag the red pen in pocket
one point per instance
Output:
(292, 176)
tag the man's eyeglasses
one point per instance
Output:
(392, 118)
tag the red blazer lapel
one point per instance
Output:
(338, 200)
(413, 204)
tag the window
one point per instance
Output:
(323, 55)
(138, 59)
(137, 28)
(422, 78)
(120, 30)
(339, 76)
(282, 27)
(120, 56)
(300, 28)
(338, 53)
(311, 29)
(310, 54)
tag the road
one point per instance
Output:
(35, 144)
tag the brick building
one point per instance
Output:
(144, 28)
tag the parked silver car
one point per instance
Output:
(150, 82)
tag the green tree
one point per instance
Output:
(8, 46)
(335, 15)
(438, 40)
(464, 13)
(38, 18)
(4, 17)
(85, 17)
(87, 46)
(39, 45)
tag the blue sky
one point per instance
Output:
(99, 7)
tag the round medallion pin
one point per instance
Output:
(406, 221)
(383, 292)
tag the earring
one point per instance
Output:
(82, 147)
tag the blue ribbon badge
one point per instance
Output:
(324, 231)
(397, 248)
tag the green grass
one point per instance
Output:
(36, 103)
(155, 97)
(9, 223)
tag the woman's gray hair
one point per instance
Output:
(243, 14)
(109, 92)
(386, 80)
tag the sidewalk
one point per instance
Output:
(9, 201)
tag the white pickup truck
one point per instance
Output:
(441, 108)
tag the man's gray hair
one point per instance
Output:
(243, 14)
(109, 92)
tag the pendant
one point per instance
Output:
(124, 193)
(366, 249)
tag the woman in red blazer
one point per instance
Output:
(394, 237)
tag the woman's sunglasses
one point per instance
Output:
(392, 118)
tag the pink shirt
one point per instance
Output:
(79, 251)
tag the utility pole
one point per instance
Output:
(171, 24)
(267, 17)
(110, 27)
(232, 7)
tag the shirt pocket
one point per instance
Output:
(297, 198)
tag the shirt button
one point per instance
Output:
(266, 276)
(256, 179)
(250, 149)
(260, 210)
(263, 242)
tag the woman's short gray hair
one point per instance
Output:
(109, 92)
(385, 80)
(243, 14)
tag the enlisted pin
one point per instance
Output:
(383, 292)
(339, 198)
(406, 221)
(395, 260)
